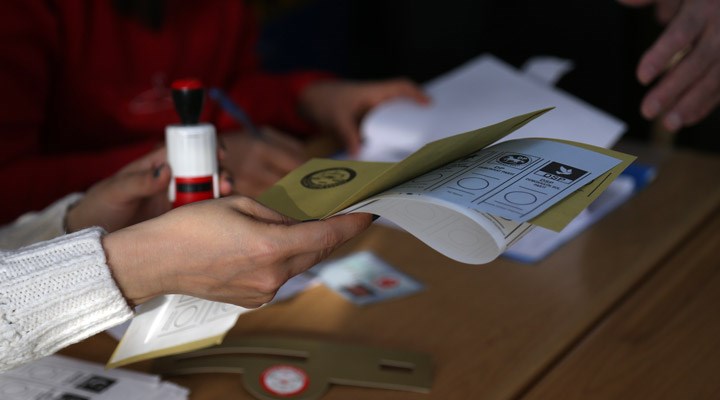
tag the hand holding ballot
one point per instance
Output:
(461, 196)
(231, 250)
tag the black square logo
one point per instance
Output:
(96, 384)
(561, 172)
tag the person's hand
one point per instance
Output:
(338, 106)
(255, 164)
(231, 250)
(686, 61)
(134, 194)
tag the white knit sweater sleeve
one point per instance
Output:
(36, 226)
(55, 293)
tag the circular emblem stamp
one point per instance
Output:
(514, 159)
(284, 380)
(328, 178)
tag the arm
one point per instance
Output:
(38, 226)
(54, 294)
(136, 193)
(232, 250)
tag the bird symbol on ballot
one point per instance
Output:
(514, 160)
(564, 171)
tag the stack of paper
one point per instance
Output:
(481, 92)
(59, 377)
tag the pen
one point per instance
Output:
(234, 110)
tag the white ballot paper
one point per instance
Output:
(65, 378)
(472, 209)
(174, 324)
(479, 93)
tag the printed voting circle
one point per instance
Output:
(473, 183)
(187, 312)
(520, 198)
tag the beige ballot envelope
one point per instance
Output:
(437, 193)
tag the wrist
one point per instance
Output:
(132, 266)
(70, 220)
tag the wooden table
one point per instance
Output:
(627, 310)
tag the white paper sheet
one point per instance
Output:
(171, 324)
(482, 92)
(60, 377)
(473, 208)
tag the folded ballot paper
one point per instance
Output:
(65, 378)
(464, 196)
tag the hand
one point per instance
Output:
(338, 107)
(134, 194)
(686, 58)
(257, 163)
(231, 250)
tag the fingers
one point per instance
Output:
(349, 132)
(697, 103)
(369, 96)
(153, 159)
(136, 185)
(402, 87)
(226, 183)
(257, 163)
(258, 211)
(667, 9)
(325, 235)
(676, 82)
(285, 141)
(308, 243)
(279, 153)
(677, 38)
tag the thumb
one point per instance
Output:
(144, 183)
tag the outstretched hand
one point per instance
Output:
(685, 61)
(232, 250)
(338, 107)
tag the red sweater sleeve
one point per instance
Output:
(74, 76)
(271, 99)
(31, 177)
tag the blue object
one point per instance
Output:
(541, 242)
(234, 110)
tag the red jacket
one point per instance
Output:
(86, 90)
